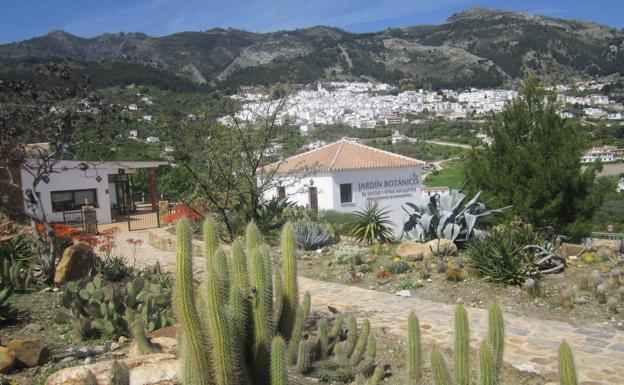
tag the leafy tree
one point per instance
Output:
(534, 165)
(39, 125)
(226, 163)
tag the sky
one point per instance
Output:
(24, 19)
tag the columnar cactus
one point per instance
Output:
(289, 262)
(496, 337)
(261, 315)
(323, 340)
(303, 357)
(414, 349)
(351, 336)
(360, 346)
(297, 330)
(211, 238)
(336, 327)
(225, 367)
(195, 355)
(252, 238)
(567, 370)
(138, 334)
(278, 296)
(486, 365)
(438, 369)
(462, 348)
(119, 374)
(278, 362)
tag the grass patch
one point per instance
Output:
(452, 176)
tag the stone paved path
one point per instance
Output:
(530, 344)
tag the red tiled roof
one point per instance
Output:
(345, 155)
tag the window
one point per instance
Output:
(72, 200)
(281, 192)
(345, 193)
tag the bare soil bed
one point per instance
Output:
(471, 290)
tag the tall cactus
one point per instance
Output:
(351, 336)
(360, 346)
(496, 337)
(486, 366)
(462, 348)
(567, 369)
(194, 347)
(261, 316)
(119, 374)
(438, 369)
(252, 237)
(291, 296)
(297, 330)
(303, 357)
(224, 362)
(414, 350)
(144, 346)
(278, 362)
(278, 296)
(221, 270)
(323, 340)
(211, 238)
(336, 327)
(376, 377)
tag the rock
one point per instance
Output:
(29, 353)
(169, 332)
(122, 339)
(444, 245)
(570, 249)
(403, 293)
(613, 246)
(412, 251)
(76, 264)
(150, 369)
(7, 360)
(165, 344)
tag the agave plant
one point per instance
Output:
(7, 313)
(314, 235)
(372, 224)
(444, 217)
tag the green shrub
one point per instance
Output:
(499, 257)
(314, 235)
(365, 268)
(396, 267)
(113, 268)
(372, 225)
(349, 254)
(341, 221)
(410, 284)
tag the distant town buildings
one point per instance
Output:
(604, 154)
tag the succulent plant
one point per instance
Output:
(314, 235)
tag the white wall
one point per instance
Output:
(75, 179)
(380, 185)
(367, 185)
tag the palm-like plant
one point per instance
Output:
(372, 224)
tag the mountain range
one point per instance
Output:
(478, 47)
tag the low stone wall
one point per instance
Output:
(164, 240)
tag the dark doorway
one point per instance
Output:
(313, 195)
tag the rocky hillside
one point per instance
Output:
(478, 47)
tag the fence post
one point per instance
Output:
(89, 219)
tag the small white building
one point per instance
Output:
(345, 175)
(106, 185)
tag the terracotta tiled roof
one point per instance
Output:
(345, 155)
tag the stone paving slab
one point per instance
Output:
(530, 344)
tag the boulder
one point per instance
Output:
(613, 246)
(76, 264)
(444, 245)
(7, 360)
(168, 332)
(568, 250)
(412, 251)
(29, 353)
(150, 369)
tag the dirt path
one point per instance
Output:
(530, 344)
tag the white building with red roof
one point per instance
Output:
(344, 175)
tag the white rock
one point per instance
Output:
(403, 293)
